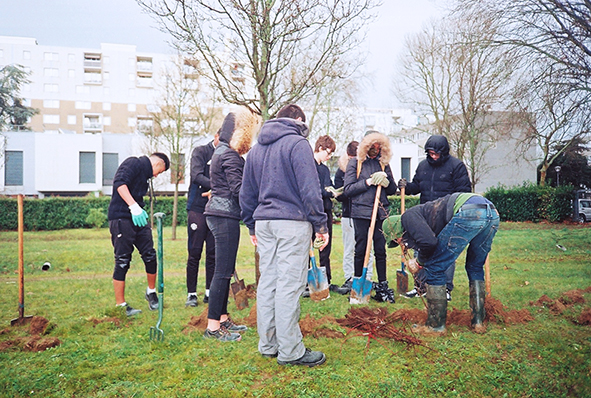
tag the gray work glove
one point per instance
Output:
(380, 178)
(335, 192)
(402, 183)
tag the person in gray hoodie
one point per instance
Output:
(282, 206)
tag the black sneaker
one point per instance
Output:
(306, 292)
(191, 301)
(222, 334)
(310, 359)
(130, 311)
(205, 299)
(232, 327)
(413, 293)
(270, 355)
(152, 299)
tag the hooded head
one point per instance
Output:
(438, 144)
(239, 128)
(372, 142)
(393, 230)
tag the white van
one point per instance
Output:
(584, 210)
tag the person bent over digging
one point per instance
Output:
(440, 230)
(128, 223)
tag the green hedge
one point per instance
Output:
(61, 213)
(532, 202)
(525, 203)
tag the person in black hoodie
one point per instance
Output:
(363, 175)
(438, 175)
(197, 231)
(128, 224)
(281, 206)
(222, 212)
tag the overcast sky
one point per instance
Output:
(87, 23)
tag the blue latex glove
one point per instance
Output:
(138, 215)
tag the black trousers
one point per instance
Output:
(226, 232)
(324, 255)
(124, 236)
(379, 247)
(199, 234)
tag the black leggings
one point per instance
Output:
(379, 247)
(226, 232)
(199, 233)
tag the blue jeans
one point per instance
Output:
(475, 228)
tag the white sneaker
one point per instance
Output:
(448, 294)
(413, 293)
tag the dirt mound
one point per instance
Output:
(542, 301)
(323, 327)
(496, 312)
(251, 291)
(36, 328)
(251, 319)
(411, 316)
(572, 297)
(565, 300)
(585, 317)
(198, 323)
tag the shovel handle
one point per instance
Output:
(21, 262)
(372, 226)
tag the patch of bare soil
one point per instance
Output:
(496, 312)
(564, 301)
(114, 320)
(197, 323)
(319, 327)
(251, 319)
(251, 291)
(585, 317)
(36, 328)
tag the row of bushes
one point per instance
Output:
(526, 203)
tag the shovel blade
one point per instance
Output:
(401, 281)
(21, 320)
(360, 289)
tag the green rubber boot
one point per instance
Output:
(436, 311)
(477, 294)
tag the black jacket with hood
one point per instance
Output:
(362, 195)
(434, 179)
(227, 164)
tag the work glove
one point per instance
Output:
(138, 215)
(413, 265)
(380, 178)
(335, 192)
(402, 183)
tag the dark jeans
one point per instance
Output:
(226, 232)
(324, 255)
(199, 233)
(379, 247)
(124, 236)
(474, 228)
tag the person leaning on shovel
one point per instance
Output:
(440, 230)
(128, 224)
(362, 177)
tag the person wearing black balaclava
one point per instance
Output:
(438, 175)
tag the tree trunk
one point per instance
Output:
(175, 205)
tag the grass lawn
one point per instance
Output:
(547, 357)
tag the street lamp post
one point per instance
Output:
(557, 169)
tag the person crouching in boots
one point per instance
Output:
(440, 230)
(362, 177)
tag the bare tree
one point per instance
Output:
(185, 108)
(452, 71)
(265, 54)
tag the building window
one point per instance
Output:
(106, 106)
(92, 123)
(87, 167)
(51, 72)
(177, 163)
(26, 54)
(110, 164)
(131, 121)
(71, 119)
(144, 124)
(51, 119)
(82, 104)
(51, 104)
(93, 77)
(131, 107)
(51, 88)
(405, 168)
(107, 120)
(82, 90)
(71, 73)
(13, 167)
(51, 56)
(71, 58)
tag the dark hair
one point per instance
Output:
(352, 148)
(292, 111)
(325, 142)
(164, 158)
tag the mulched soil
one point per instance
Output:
(38, 327)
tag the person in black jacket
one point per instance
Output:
(347, 228)
(363, 175)
(439, 231)
(222, 213)
(128, 224)
(323, 150)
(438, 175)
(197, 230)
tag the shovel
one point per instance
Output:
(361, 287)
(239, 292)
(401, 275)
(156, 333)
(317, 280)
(22, 319)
